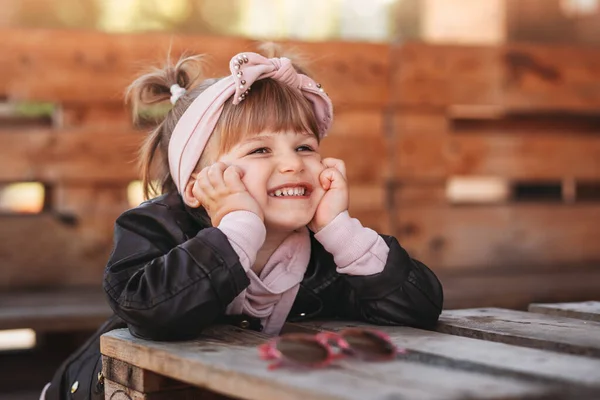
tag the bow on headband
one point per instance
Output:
(197, 123)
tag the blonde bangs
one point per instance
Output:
(269, 106)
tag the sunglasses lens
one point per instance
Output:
(305, 351)
(369, 344)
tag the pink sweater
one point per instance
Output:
(356, 250)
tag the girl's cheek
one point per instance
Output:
(318, 167)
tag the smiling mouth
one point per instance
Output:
(300, 191)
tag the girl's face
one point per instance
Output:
(281, 171)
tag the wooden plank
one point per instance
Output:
(588, 310)
(358, 138)
(45, 250)
(84, 156)
(513, 76)
(135, 378)
(368, 203)
(116, 391)
(235, 369)
(63, 310)
(99, 116)
(363, 122)
(512, 289)
(427, 192)
(366, 158)
(465, 353)
(379, 220)
(436, 76)
(565, 335)
(67, 245)
(97, 154)
(88, 200)
(551, 77)
(435, 150)
(352, 73)
(504, 237)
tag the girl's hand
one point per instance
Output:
(220, 190)
(335, 199)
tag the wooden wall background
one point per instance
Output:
(408, 118)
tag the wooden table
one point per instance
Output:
(475, 354)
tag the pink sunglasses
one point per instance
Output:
(320, 350)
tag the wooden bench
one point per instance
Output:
(521, 355)
(587, 310)
(54, 311)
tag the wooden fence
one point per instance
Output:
(408, 119)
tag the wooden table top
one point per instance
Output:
(476, 354)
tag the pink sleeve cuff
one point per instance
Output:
(246, 233)
(356, 250)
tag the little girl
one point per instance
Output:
(252, 227)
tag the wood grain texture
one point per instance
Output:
(137, 379)
(429, 148)
(97, 116)
(565, 335)
(551, 77)
(116, 391)
(99, 72)
(514, 77)
(436, 76)
(366, 158)
(45, 250)
(96, 153)
(46, 155)
(458, 352)
(68, 245)
(587, 310)
(368, 203)
(235, 369)
(506, 237)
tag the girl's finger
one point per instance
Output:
(331, 178)
(335, 163)
(200, 195)
(215, 176)
(203, 183)
(233, 179)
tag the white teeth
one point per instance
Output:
(297, 191)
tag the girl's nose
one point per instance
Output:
(291, 162)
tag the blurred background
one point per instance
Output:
(470, 129)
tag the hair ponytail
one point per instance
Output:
(153, 88)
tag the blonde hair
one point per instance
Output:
(271, 106)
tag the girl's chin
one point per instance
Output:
(287, 224)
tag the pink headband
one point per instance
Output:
(197, 123)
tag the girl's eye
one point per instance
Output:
(305, 148)
(262, 150)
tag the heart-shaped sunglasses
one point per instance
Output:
(321, 349)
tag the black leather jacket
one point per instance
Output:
(171, 274)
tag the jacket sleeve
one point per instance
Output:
(164, 285)
(406, 292)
